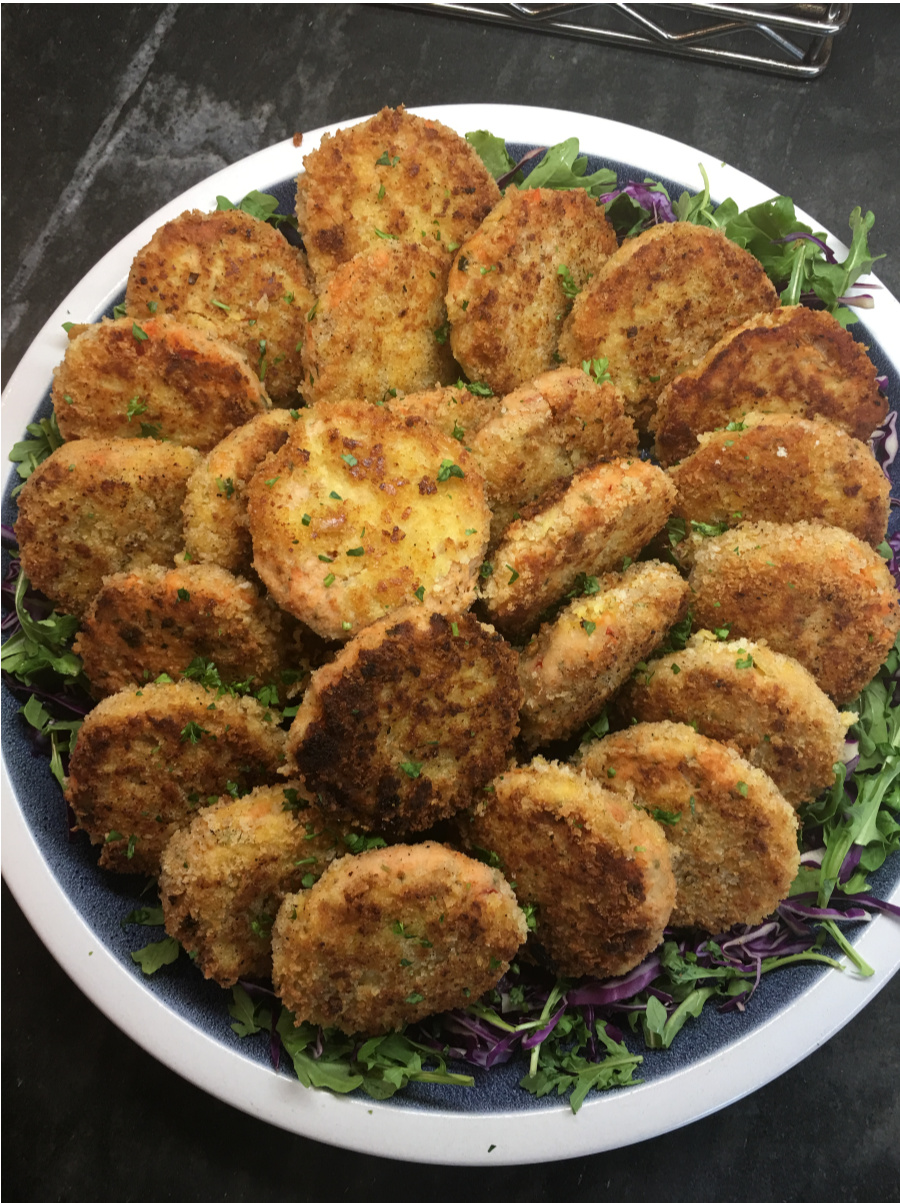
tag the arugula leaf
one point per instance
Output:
(146, 916)
(153, 956)
(28, 453)
(62, 734)
(261, 205)
(249, 1017)
(493, 153)
(41, 643)
(561, 167)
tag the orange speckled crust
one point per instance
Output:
(453, 409)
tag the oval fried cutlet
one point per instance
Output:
(814, 592)
(735, 835)
(408, 177)
(174, 381)
(362, 511)
(146, 759)
(589, 524)
(781, 468)
(764, 703)
(236, 276)
(457, 410)
(598, 870)
(98, 506)
(792, 360)
(574, 665)
(657, 306)
(409, 722)
(512, 282)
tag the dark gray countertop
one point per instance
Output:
(109, 112)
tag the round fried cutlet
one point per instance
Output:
(362, 511)
(407, 177)
(657, 306)
(233, 275)
(388, 937)
(588, 524)
(409, 722)
(512, 282)
(735, 835)
(98, 506)
(379, 327)
(764, 703)
(792, 360)
(597, 869)
(146, 759)
(574, 665)
(458, 410)
(814, 592)
(781, 468)
(181, 384)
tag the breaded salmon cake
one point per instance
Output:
(98, 506)
(152, 621)
(145, 759)
(512, 282)
(388, 937)
(598, 870)
(814, 592)
(735, 835)
(657, 306)
(764, 703)
(395, 175)
(224, 877)
(781, 468)
(234, 275)
(362, 511)
(216, 527)
(179, 383)
(409, 721)
(457, 410)
(589, 524)
(791, 360)
(574, 665)
(379, 327)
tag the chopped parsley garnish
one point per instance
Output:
(193, 733)
(412, 768)
(597, 370)
(447, 469)
(225, 487)
(566, 282)
(139, 334)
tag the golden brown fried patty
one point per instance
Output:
(406, 176)
(513, 280)
(657, 306)
(792, 360)
(813, 592)
(385, 938)
(362, 511)
(146, 759)
(176, 382)
(781, 468)
(409, 722)
(98, 506)
(735, 835)
(234, 275)
(457, 410)
(764, 703)
(597, 868)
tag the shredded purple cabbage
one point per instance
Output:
(799, 234)
(657, 204)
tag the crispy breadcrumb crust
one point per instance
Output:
(454, 409)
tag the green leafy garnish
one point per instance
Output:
(261, 205)
(153, 956)
(43, 440)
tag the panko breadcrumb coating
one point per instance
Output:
(735, 835)
(234, 275)
(574, 665)
(597, 868)
(99, 506)
(409, 722)
(792, 360)
(145, 760)
(362, 511)
(657, 306)
(764, 703)
(458, 410)
(814, 592)
(179, 383)
(512, 282)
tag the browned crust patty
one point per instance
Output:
(814, 592)
(98, 506)
(409, 722)
(455, 409)
(409, 177)
(735, 835)
(657, 306)
(234, 275)
(792, 360)
(146, 759)
(507, 298)
(597, 868)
